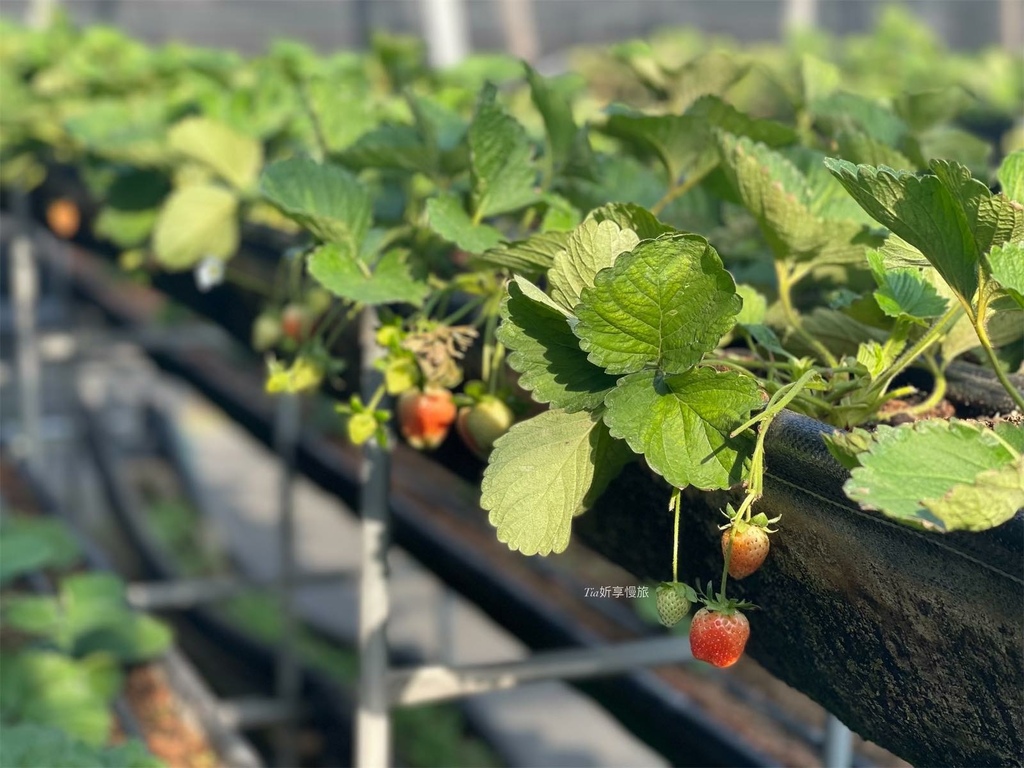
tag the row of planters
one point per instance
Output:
(679, 262)
(88, 680)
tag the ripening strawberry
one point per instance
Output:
(480, 424)
(296, 322)
(719, 636)
(749, 548)
(63, 218)
(672, 601)
(424, 416)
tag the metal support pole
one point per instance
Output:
(799, 14)
(838, 744)
(446, 30)
(1011, 24)
(25, 290)
(520, 26)
(373, 723)
(436, 683)
(286, 435)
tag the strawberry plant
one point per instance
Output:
(663, 253)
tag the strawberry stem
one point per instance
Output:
(675, 505)
(725, 568)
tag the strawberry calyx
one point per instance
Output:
(739, 521)
(683, 590)
(717, 602)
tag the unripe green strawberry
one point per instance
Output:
(673, 600)
(480, 424)
(266, 332)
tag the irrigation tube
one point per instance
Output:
(287, 422)
(373, 724)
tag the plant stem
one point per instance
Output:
(938, 390)
(934, 334)
(1004, 379)
(675, 505)
(678, 190)
(783, 278)
(725, 568)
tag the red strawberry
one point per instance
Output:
(749, 548)
(480, 424)
(425, 416)
(296, 322)
(719, 636)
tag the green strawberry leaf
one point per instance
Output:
(666, 304)
(685, 144)
(904, 292)
(448, 219)
(392, 147)
(545, 352)
(501, 160)
(916, 474)
(545, 471)
(948, 216)
(234, 157)
(196, 221)
(556, 111)
(1011, 176)
(990, 500)
(779, 197)
(26, 745)
(1006, 263)
(592, 246)
(634, 217)
(532, 257)
(342, 272)
(125, 228)
(325, 199)
(862, 149)
(681, 423)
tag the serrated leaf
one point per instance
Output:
(685, 144)
(714, 72)
(394, 147)
(950, 217)
(196, 222)
(342, 272)
(234, 157)
(532, 257)
(501, 160)
(592, 246)
(848, 110)
(779, 197)
(860, 148)
(667, 303)
(448, 218)
(1012, 434)
(546, 354)
(1007, 265)
(325, 199)
(913, 463)
(556, 111)
(905, 292)
(681, 423)
(1011, 176)
(545, 471)
(993, 498)
(634, 217)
